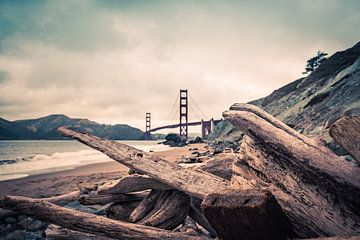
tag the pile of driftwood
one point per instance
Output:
(282, 185)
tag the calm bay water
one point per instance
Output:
(23, 158)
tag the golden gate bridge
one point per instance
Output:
(207, 125)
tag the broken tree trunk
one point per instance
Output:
(85, 222)
(145, 206)
(194, 182)
(133, 183)
(94, 199)
(318, 191)
(346, 132)
(170, 209)
(250, 215)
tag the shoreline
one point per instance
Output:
(61, 182)
(64, 181)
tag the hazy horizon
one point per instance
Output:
(113, 61)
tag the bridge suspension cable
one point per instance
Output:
(197, 106)
(193, 110)
(174, 107)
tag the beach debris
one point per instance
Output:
(132, 183)
(345, 131)
(278, 184)
(86, 222)
(102, 199)
(54, 232)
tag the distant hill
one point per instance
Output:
(46, 128)
(312, 104)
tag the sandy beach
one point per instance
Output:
(52, 184)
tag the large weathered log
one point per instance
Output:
(85, 222)
(194, 182)
(54, 232)
(60, 200)
(94, 199)
(249, 215)
(170, 210)
(145, 206)
(346, 132)
(318, 191)
(133, 183)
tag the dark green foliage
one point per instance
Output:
(314, 62)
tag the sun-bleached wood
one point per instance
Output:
(94, 199)
(170, 209)
(346, 132)
(132, 183)
(193, 182)
(85, 222)
(318, 191)
(145, 206)
(54, 232)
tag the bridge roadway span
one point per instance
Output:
(178, 125)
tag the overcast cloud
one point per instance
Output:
(112, 61)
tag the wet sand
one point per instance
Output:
(52, 184)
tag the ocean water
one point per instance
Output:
(23, 158)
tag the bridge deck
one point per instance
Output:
(178, 125)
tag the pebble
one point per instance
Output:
(10, 220)
(34, 235)
(35, 226)
(25, 223)
(21, 217)
(16, 235)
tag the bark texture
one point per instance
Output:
(250, 215)
(133, 183)
(85, 222)
(193, 182)
(318, 191)
(346, 132)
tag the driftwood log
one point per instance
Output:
(318, 191)
(193, 182)
(54, 232)
(132, 183)
(251, 215)
(346, 132)
(145, 206)
(94, 199)
(170, 209)
(85, 222)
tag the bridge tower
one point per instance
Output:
(148, 126)
(206, 128)
(184, 113)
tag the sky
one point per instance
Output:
(113, 61)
